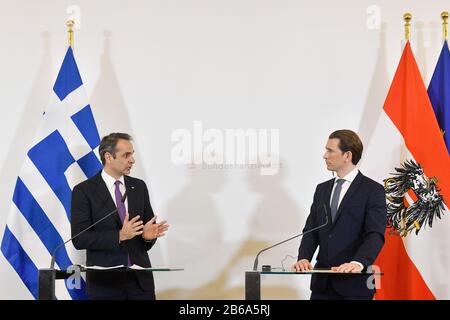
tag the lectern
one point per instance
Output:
(48, 277)
(253, 279)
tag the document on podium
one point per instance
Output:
(134, 267)
(321, 271)
(101, 267)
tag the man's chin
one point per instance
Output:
(331, 169)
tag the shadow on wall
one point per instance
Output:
(35, 105)
(428, 37)
(421, 54)
(378, 90)
(198, 240)
(108, 104)
(277, 217)
(436, 40)
(196, 232)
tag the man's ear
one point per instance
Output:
(349, 156)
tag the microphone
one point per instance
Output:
(52, 263)
(255, 264)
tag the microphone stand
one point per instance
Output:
(47, 277)
(52, 263)
(255, 264)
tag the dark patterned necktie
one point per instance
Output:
(335, 199)
(120, 205)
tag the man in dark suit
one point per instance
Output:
(126, 236)
(352, 239)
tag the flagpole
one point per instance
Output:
(70, 24)
(407, 18)
(444, 16)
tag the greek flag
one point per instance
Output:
(63, 154)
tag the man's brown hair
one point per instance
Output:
(349, 141)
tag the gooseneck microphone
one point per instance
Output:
(52, 263)
(255, 264)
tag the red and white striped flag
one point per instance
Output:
(408, 154)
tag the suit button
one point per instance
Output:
(330, 236)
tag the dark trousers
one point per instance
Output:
(131, 291)
(331, 294)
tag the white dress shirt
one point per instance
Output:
(349, 177)
(110, 184)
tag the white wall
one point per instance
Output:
(150, 67)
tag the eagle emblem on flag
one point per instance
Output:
(413, 199)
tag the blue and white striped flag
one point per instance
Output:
(63, 154)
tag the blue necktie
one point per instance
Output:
(335, 199)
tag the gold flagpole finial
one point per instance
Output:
(70, 24)
(407, 18)
(444, 16)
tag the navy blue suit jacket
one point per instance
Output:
(91, 201)
(357, 234)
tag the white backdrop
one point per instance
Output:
(151, 67)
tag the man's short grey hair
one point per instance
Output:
(109, 143)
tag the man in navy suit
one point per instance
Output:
(356, 209)
(125, 237)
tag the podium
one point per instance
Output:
(253, 279)
(48, 277)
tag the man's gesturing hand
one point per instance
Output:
(153, 230)
(130, 228)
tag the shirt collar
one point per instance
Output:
(110, 181)
(350, 176)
